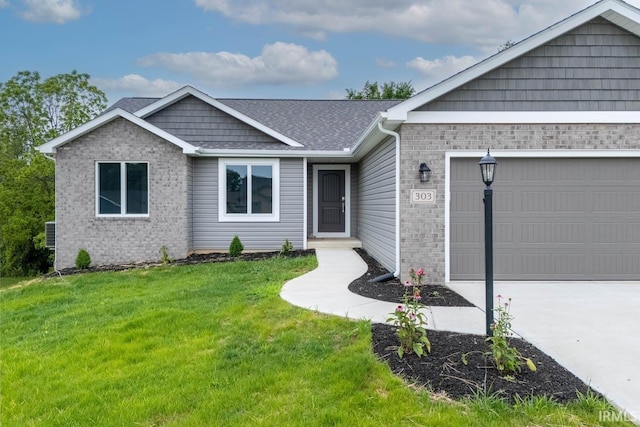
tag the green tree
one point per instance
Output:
(389, 90)
(33, 111)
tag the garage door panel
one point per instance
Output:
(633, 233)
(554, 219)
(569, 233)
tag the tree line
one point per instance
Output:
(33, 111)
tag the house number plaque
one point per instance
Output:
(423, 196)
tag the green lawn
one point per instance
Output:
(212, 344)
(5, 282)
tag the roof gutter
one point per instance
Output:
(208, 152)
(396, 135)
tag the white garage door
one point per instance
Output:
(554, 219)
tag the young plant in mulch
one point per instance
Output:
(287, 248)
(83, 259)
(411, 322)
(506, 358)
(236, 247)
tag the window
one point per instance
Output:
(122, 189)
(249, 190)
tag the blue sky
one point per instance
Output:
(262, 48)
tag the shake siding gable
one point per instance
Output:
(115, 240)
(595, 67)
(199, 123)
(210, 234)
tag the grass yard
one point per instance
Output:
(213, 344)
(5, 282)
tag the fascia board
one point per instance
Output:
(51, 146)
(521, 117)
(609, 9)
(189, 90)
(204, 152)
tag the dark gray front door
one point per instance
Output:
(331, 201)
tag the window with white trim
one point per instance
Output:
(249, 190)
(122, 189)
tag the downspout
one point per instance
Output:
(396, 135)
(55, 250)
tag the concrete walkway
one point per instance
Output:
(588, 327)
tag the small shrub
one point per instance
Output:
(236, 247)
(287, 248)
(164, 255)
(83, 260)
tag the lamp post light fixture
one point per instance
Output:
(425, 172)
(488, 171)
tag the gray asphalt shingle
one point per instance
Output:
(316, 124)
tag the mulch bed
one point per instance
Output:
(393, 291)
(442, 371)
(190, 260)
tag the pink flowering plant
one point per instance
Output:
(507, 359)
(411, 322)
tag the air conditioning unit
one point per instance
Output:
(50, 234)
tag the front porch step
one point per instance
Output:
(334, 243)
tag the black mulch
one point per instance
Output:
(191, 259)
(443, 371)
(393, 290)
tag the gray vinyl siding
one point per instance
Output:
(377, 204)
(595, 67)
(210, 234)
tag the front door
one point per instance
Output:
(331, 201)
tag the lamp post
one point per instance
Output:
(488, 171)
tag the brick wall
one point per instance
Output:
(113, 240)
(422, 233)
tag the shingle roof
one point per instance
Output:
(316, 124)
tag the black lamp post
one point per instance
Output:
(488, 170)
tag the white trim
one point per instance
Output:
(347, 199)
(189, 90)
(615, 11)
(498, 154)
(305, 208)
(223, 216)
(511, 117)
(51, 146)
(256, 153)
(123, 189)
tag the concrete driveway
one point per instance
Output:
(591, 328)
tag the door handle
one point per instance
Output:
(342, 204)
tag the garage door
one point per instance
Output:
(554, 219)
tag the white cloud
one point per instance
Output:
(55, 11)
(137, 85)
(384, 63)
(4, 3)
(441, 67)
(279, 63)
(485, 24)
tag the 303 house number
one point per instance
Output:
(423, 196)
